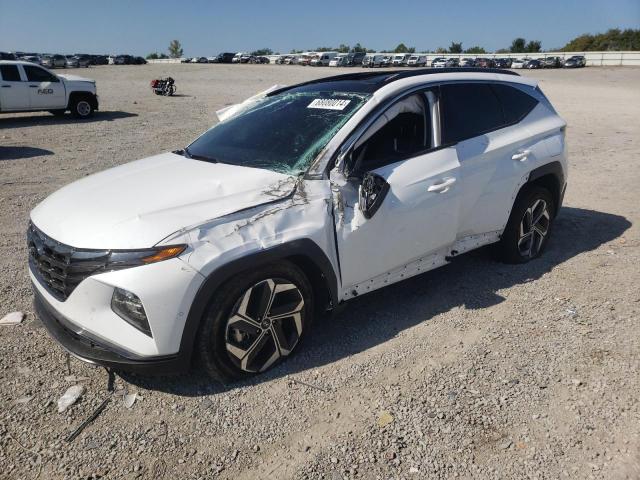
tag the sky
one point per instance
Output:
(205, 28)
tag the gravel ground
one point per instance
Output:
(476, 370)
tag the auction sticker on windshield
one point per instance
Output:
(329, 104)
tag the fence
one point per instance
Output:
(594, 59)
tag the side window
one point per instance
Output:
(402, 131)
(468, 110)
(37, 74)
(515, 103)
(9, 73)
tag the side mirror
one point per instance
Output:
(372, 191)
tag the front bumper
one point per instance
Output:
(89, 349)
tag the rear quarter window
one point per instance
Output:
(516, 104)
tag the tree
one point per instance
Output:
(262, 52)
(455, 47)
(358, 48)
(402, 48)
(501, 50)
(441, 50)
(156, 55)
(518, 45)
(534, 46)
(475, 49)
(175, 49)
(613, 39)
(343, 48)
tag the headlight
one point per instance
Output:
(132, 258)
(129, 307)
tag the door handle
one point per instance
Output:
(6, 86)
(521, 155)
(442, 187)
(33, 86)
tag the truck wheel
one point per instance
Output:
(255, 320)
(81, 107)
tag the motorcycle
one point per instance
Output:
(164, 86)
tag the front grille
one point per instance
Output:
(59, 267)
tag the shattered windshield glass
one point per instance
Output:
(283, 133)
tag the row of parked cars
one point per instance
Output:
(76, 60)
(228, 57)
(418, 60)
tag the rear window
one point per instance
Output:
(515, 103)
(9, 73)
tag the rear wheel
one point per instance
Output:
(529, 226)
(254, 321)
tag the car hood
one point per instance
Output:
(76, 78)
(138, 204)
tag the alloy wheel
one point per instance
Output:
(266, 324)
(534, 228)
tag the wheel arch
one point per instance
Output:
(304, 253)
(83, 94)
(551, 177)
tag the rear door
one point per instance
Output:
(14, 93)
(45, 89)
(495, 150)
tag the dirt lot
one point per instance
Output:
(476, 370)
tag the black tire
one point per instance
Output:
(254, 343)
(57, 113)
(81, 106)
(515, 246)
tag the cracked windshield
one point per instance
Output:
(283, 133)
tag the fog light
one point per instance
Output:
(128, 306)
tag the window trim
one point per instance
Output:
(347, 146)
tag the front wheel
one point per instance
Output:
(81, 107)
(529, 226)
(254, 321)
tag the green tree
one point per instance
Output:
(455, 47)
(613, 39)
(402, 48)
(358, 48)
(343, 48)
(534, 46)
(262, 52)
(501, 50)
(441, 50)
(175, 49)
(155, 56)
(518, 45)
(475, 50)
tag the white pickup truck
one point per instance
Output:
(27, 87)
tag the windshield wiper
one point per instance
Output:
(195, 156)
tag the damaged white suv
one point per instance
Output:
(299, 199)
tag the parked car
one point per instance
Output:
(74, 61)
(452, 62)
(32, 59)
(54, 61)
(367, 61)
(417, 61)
(534, 64)
(99, 60)
(322, 59)
(519, 63)
(339, 60)
(386, 61)
(225, 57)
(7, 56)
(400, 60)
(201, 60)
(467, 62)
(221, 254)
(260, 60)
(439, 62)
(26, 87)
(552, 62)
(355, 58)
(123, 60)
(485, 63)
(304, 60)
(577, 61)
(502, 62)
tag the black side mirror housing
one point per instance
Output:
(371, 194)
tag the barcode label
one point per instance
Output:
(328, 104)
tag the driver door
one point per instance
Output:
(404, 206)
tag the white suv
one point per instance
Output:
(298, 200)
